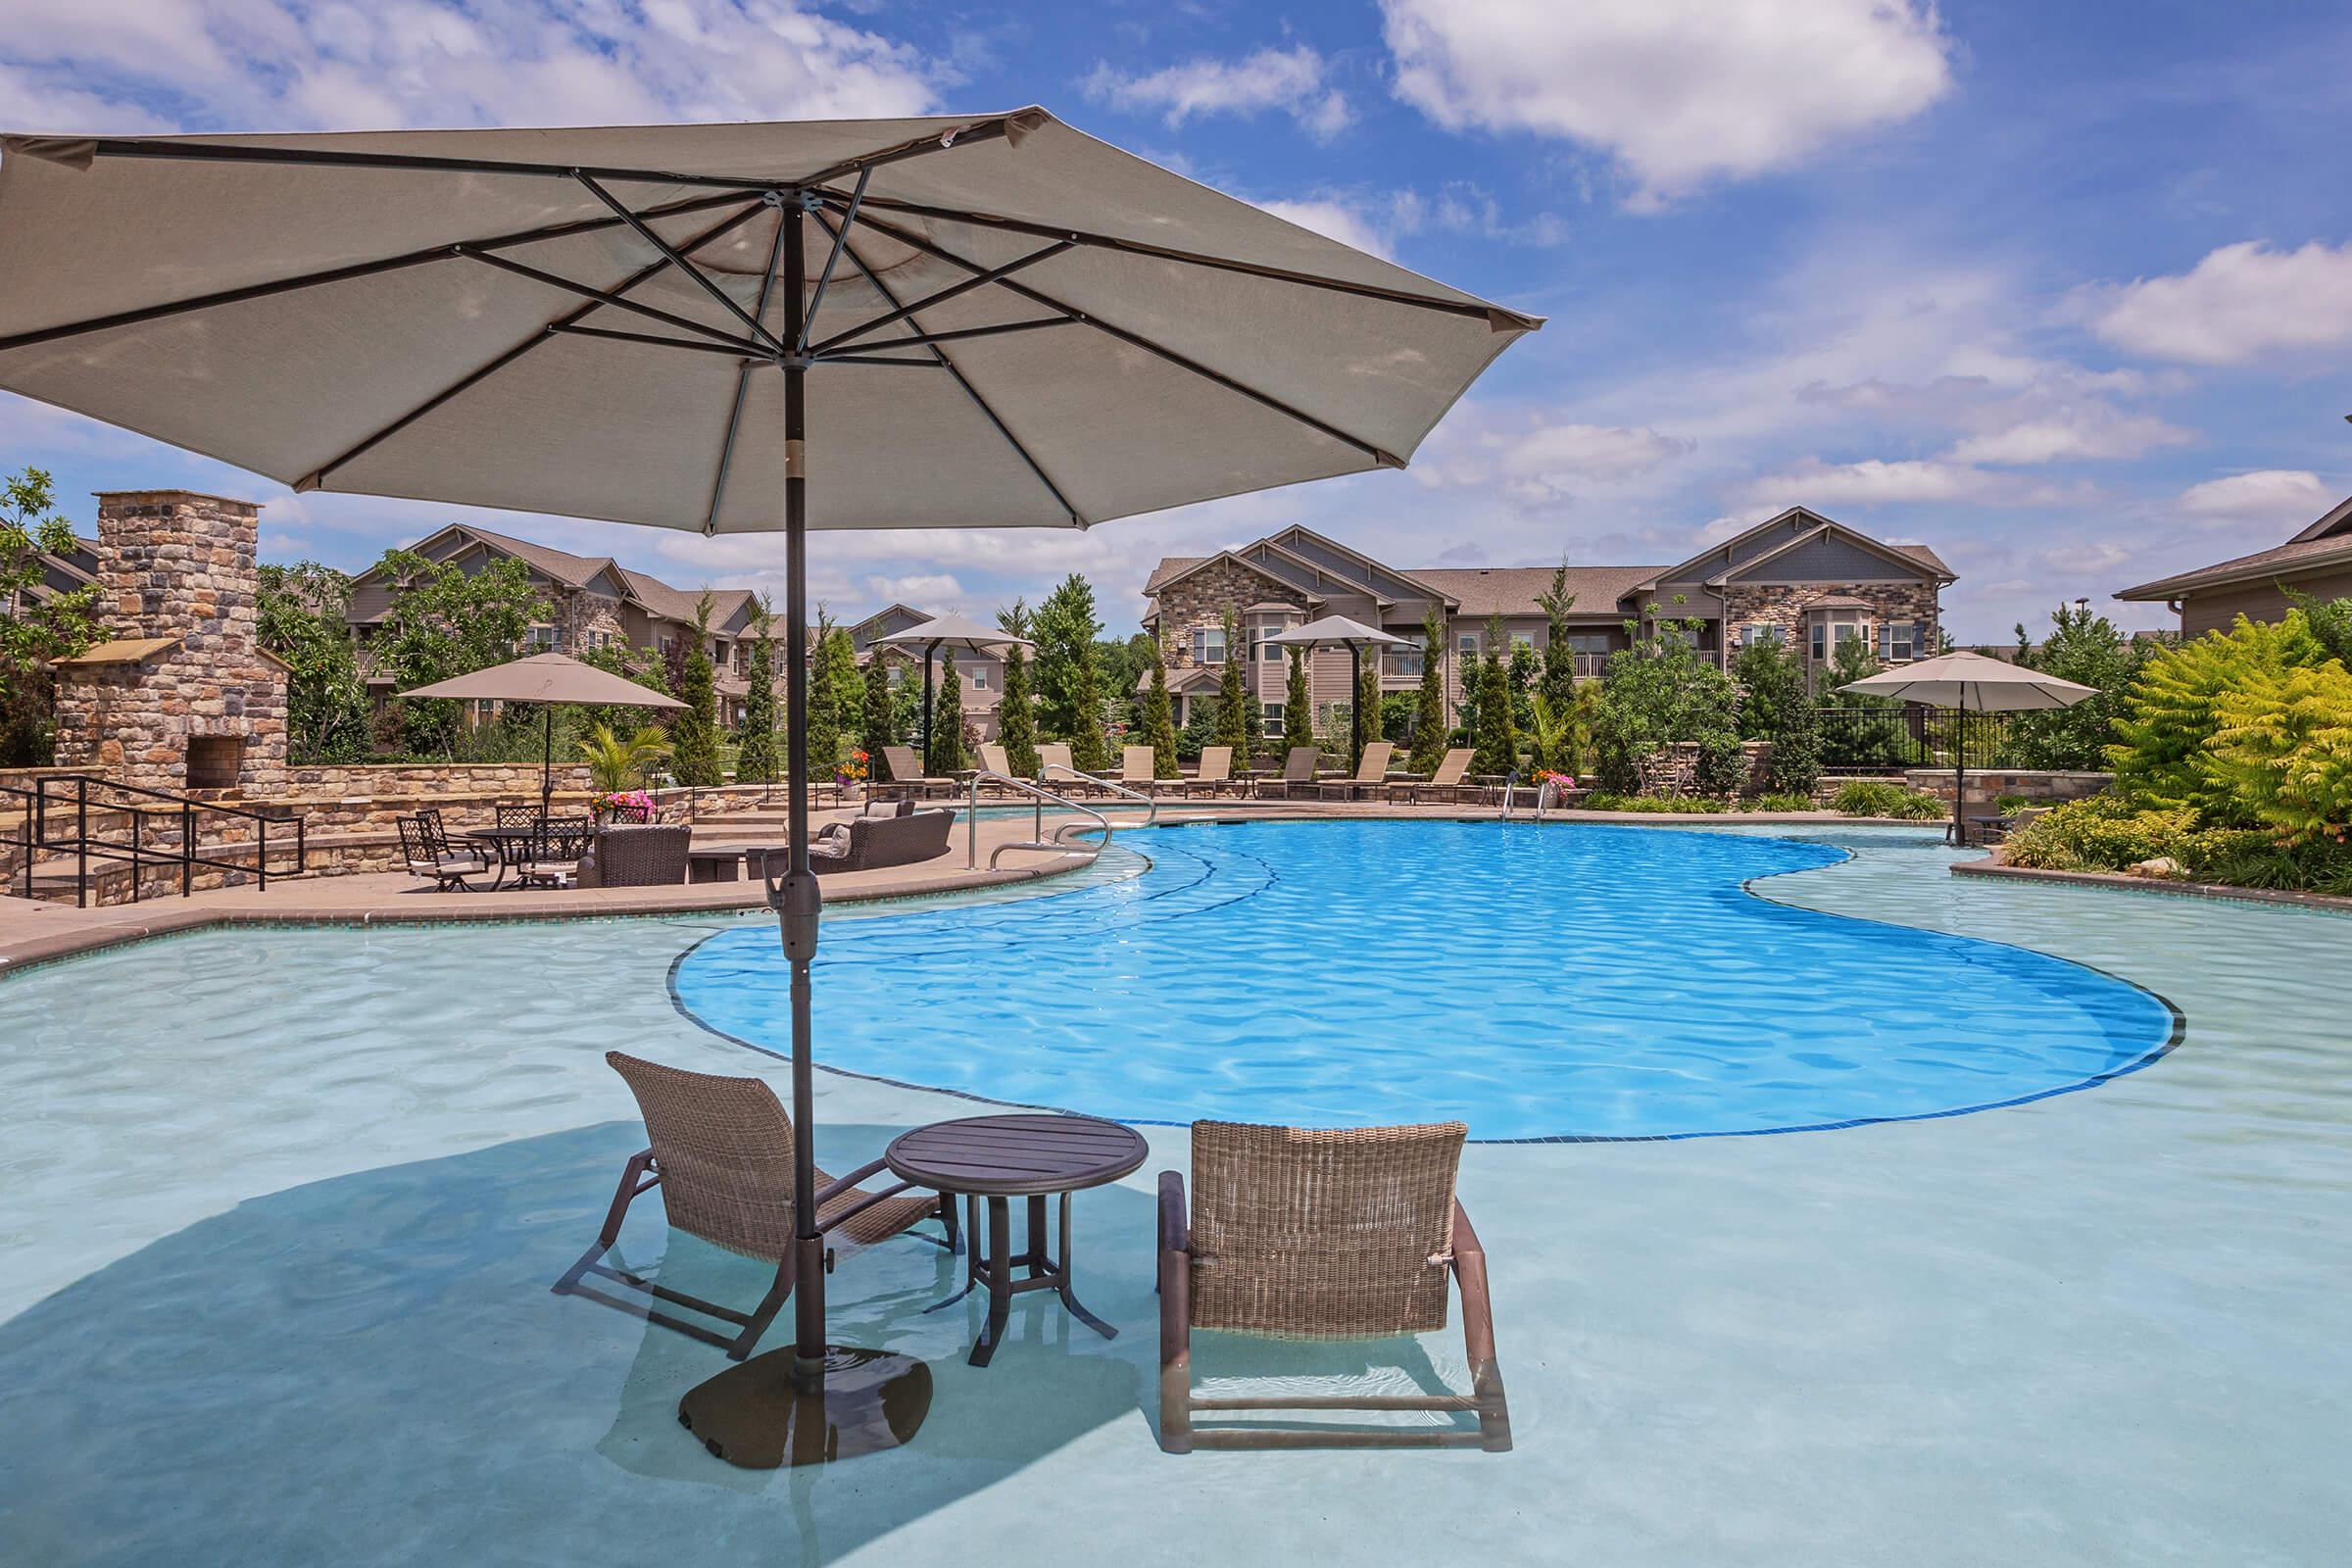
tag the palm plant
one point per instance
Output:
(616, 764)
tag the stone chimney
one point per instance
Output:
(182, 697)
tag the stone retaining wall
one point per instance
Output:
(2033, 784)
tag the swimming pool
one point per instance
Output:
(1563, 981)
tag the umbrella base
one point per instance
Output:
(755, 1417)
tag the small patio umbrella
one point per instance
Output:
(959, 632)
(547, 679)
(1962, 681)
(1337, 631)
(950, 322)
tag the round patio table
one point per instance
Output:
(512, 846)
(1002, 1157)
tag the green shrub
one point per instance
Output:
(2104, 833)
(1660, 805)
(1864, 797)
(2171, 715)
(1782, 802)
(2282, 749)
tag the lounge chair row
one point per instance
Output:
(1285, 1233)
(1299, 779)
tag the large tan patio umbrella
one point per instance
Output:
(1337, 631)
(1963, 681)
(990, 321)
(959, 632)
(547, 679)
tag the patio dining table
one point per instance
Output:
(517, 844)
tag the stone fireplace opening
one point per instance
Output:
(214, 761)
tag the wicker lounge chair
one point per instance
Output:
(1214, 775)
(1307, 1235)
(1298, 774)
(1447, 782)
(1371, 774)
(651, 855)
(723, 1154)
(422, 857)
(906, 776)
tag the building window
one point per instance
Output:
(545, 639)
(1208, 644)
(1467, 645)
(1272, 713)
(1523, 639)
(1757, 633)
(1587, 642)
(979, 678)
(1898, 642)
(1269, 651)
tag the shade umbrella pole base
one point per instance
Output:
(777, 1411)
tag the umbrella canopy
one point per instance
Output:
(940, 323)
(1971, 682)
(548, 678)
(962, 634)
(1337, 631)
(1975, 682)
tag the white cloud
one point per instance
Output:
(82, 64)
(936, 591)
(1294, 81)
(1532, 458)
(1553, 456)
(1874, 481)
(2280, 496)
(2241, 302)
(2087, 430)
(1679, 91)
(1334, 219)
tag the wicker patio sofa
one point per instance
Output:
(869, 843)
(649, 854)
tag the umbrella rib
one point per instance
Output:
(939, 357)
(733, 351)
(1002, 128)
(645, 232)
(824, 279)
(357, 270)
(412, 162)
(317, 476)
(743, 377)
(924, 339)
(942, 296)
(1497, 317)
(604, 297)
(1379, 455)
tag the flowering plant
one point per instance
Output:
(1555, 778)
(626, 805)
(851, 771)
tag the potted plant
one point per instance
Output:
(849, 776)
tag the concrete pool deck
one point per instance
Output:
(279, 1299)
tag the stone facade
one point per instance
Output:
(175, 565)
(1791, 607)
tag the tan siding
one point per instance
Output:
(2217, 608)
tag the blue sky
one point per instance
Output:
(2064, 291)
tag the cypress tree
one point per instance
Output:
(1496, 743)
(879, 721)
(1090, 748)
(1429, 709)
(755, 763)
(1016, 718)
(824, 703)
(1367, 702)
(694, 740)
(946, 720)
(1159, 719)
(1238, 722)
(1297, 707)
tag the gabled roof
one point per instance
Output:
(1414, 580)
(573, 571)
(2337, 521)
(1175, 568)
(1894, 554)
(1482, 591)
(2293, 557)
(677, 604)
(1812, 524)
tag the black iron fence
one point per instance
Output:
(1899, 736)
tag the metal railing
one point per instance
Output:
(1040, 797)
(1546, 796)
(1151, 803)
(1860, 739)
(51, 797)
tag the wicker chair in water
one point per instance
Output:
(722, 1156)
(1307, 1235)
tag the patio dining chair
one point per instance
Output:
(1298, 773)
(551, 857)
(1299, 1234)
(722, 1155)
(1370, 773)
(437, 833)
(424, 856)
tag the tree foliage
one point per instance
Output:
(444, 621)
(1557, 682)
(2171, 715)
(1494, 734)
(755, 759)
(2282, 749)
(1659, 692)
(1016, 717)
(1429, 706)
(2089, 650)
(1776, 708)
(1367, 702)
(1160, 720)
(880, 720)
(1238, 722)
(824, 700)
(34, 636)
(947, 721)
(1069, 693)
(1298, 705)
(618, 762)
(694, 733)
(303, 618)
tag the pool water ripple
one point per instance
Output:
(1575, 981)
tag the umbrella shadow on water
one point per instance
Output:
(373, 1364)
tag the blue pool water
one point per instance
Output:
(1578, 981)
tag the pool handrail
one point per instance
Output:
(1039, 796)
(1151, 802)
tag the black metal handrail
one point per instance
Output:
(35, 839)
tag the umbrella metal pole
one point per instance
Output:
(547, 757)
(930, 651)
(1355, 703)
